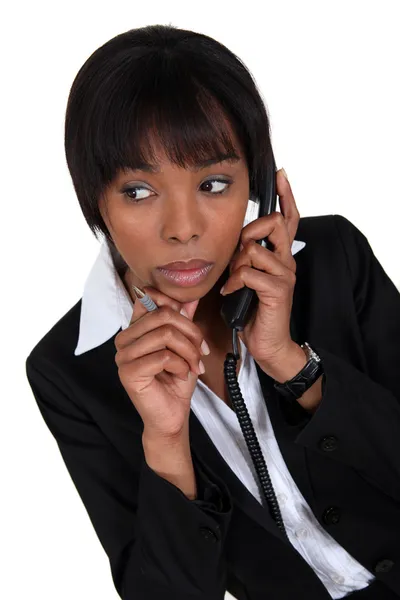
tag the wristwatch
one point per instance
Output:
(294, 388)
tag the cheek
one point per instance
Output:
(133, 243)
(231, 231)
(131, 232)
(231, 216)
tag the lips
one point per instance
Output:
(183, 266)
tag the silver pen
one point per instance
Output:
(148, 303)
(145, 299)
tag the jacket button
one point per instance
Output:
(331, 515)
(208, 534)
(328, 443)
(383, 566)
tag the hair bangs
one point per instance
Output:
(189, 127)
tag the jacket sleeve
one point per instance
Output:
(159, 543)
(361, 410)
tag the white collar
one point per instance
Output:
(106, 305)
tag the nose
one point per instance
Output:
(182, 219)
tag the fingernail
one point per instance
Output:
(221, 291)
(284, 173)
(184, 313)
(204, 347)
(202, 368)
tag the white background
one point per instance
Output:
(329, 73)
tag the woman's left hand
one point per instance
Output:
(267, 334)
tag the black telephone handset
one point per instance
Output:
(237, 307)
(236, 310)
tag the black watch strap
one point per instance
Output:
(294, 388)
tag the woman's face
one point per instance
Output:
(175, 214)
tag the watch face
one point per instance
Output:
(311, 352)
(315, 356)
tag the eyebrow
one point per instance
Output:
(149, 168)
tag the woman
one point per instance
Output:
(167, 140)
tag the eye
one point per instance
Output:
(136, 198)
(223, 182)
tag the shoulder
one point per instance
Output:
(334, 241)
(327, 229)
(337, 260)
(58, 344)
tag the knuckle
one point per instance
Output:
(166, 355)
(123, 371)
(252, 249)
(166, 313)
(120, 358)
(289, 281)
(278, 218)
(168, 332)
(117, 341)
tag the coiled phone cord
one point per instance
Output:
(249, 434)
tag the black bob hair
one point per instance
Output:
(181, 85)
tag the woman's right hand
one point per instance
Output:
(158, 362)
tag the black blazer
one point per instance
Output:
(162, 545)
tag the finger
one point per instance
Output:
(125, 337)
(287, 204)
(152, 365)
(260, 258)
(158, 298)
(166, 337)
(274, 227)
(263, 283)
(158, 320)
